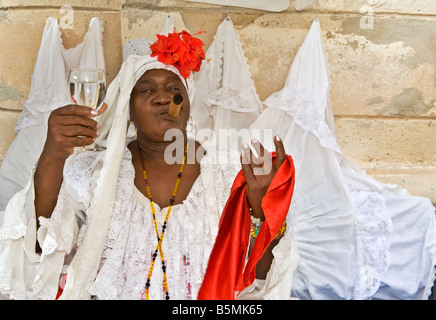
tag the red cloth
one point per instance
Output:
(225, 272)
(61, 286)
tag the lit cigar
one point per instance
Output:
(175, 105)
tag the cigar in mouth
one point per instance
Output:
(175, 105)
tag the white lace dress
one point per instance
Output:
(131, 239)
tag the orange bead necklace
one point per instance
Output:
(164, 226)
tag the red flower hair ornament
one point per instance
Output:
(181, 50)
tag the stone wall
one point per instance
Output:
(381, 55)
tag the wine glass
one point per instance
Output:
(88, 88)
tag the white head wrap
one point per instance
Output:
(84, 267)
(148, 63)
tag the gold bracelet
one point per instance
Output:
(281, 231)
(256, 223)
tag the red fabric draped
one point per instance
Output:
(225, 272)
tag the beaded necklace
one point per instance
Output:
(164, 226)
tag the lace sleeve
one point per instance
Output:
(278, 282)
(24, 274)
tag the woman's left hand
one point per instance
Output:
(260, 171)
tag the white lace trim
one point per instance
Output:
(84, 168)
(13, 230)
(278, 282)
(290, 258)
(307, 110)
(223, 96)
(47, 99)
(375, 227)
(232, 100)
(430, 283)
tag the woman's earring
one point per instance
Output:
(190, 128)
(190, 125)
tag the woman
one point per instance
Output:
(135, 225)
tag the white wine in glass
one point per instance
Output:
(88, 88)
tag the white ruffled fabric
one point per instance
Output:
(357, 238)
(49, 87)
(226, 97)
(131, 238)
(49, 91)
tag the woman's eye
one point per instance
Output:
(173, 89)
(146, 90)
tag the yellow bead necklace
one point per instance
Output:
(164, 226)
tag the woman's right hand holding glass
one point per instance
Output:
(68, 127)
(71, 126)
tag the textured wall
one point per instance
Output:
(21, 26)
(381, 55)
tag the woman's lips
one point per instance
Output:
(164, 114)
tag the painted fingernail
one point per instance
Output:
(278, 138)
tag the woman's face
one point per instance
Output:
(150, 101)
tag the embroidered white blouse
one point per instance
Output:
(131, 238)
